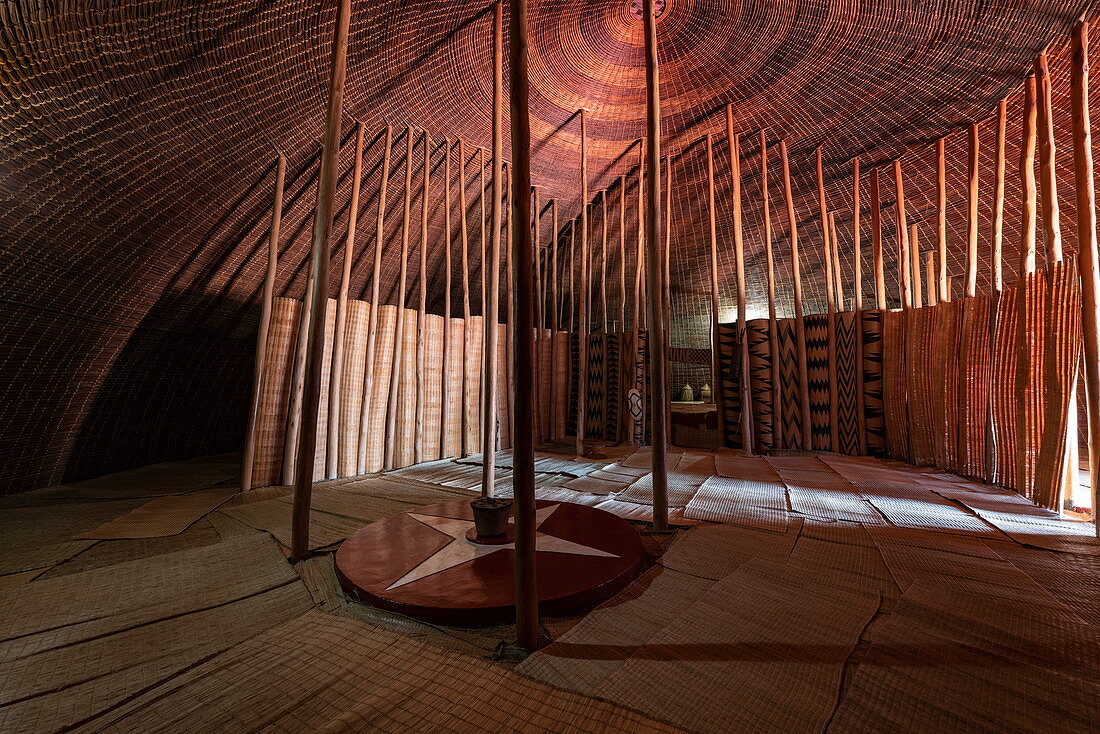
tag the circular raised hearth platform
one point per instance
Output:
(421, 563)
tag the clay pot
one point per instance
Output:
(491, 515)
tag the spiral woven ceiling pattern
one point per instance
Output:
(137, 142)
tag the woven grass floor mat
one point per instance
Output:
(744, 467)
(1074, 584)
(199, 535)
(761, 505)
(318, 574)
(843, 556)
(274, 517)
(951, 661)
(797, 463)
(681, 488)
(37, 537)
(599, 485)
(831, 501)
(618, 471)
(503, 459)
(163, 516)
(400, 489)
(643, 459)
(561, 465)
(155, 480)
(582, 658)
(358, 677)
(79, 645)
(471, 479)
(716, 551)
(922, 509)
(761, 650)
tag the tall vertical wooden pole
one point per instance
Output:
(335, 388)
(972, 213)
(830, 283)
(622, 253)
(799, 324)
(638, 423)
(941, 217)
(998, 278)
(372, 317)
(319, 257)
(857, 276)
(527, 621)
(603, 268)
(582, 325)
(1048, 187)
(537, 305)
(876, 242)
(666, 288)
(715, 360)
(464, 239)
(258, 374)
(838, 283)
(904, 268)
(1027, 265)
(491, 317)
(555, 316)
(656, 305)
(1088, 261)
(399, 327)
(742, 307)
(444, 405)
(422, 306)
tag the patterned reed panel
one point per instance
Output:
(789, 385)
(975, 362)
(594, 384)
(729, 382)
(817, 362)
(612, 385)
(275, 392)
(405, 439)
(562, 397)
(323, 406)
(1003, 382)
(351, 385)
(760, 383)
(920, 360)
(847, 385)
(574, 374)
(893, 384)
(379, 398)
(872, 383)
(945, 413)
(431, 370)
(1062, 357)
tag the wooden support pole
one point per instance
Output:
(372, 317)
(335, 388)
(930, 276)
(536, 263)
(972, 214)
(838, 283)
(999, 197)
(857, 276)
(464, 239)
(527, 617)
(830, 301)
(572, 309)
(422, 306)
(622, 253)
(666, 288)
(603, 268)
(319, 259)
(638, 422)
(258, 374)
(444, 409)
(748, 438)
(489, 409)
(715, 363)
(555, 316)
(904, 268)
(876, 242)
(1027, 181)
(509, 308)
(656, 303)
(1048, 187)
(1088, 261)
(914, 260)
(799, 324)
(582, 326)
(399, 327)
(941, 217)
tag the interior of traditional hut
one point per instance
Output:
(548, 366)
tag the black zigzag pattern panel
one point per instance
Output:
(729, 367)
(846, 382)
(760, 381)
(872, 383)
(817, 365)
(789, 388)
(613, 394)
(594, 398)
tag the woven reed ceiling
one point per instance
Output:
(137, 145)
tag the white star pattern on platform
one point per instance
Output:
(461, 550)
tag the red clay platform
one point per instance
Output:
(420, 563)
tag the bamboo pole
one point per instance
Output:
(464, 239)
(422, 307)
(582, 320)
(622, 253)
(930, 276)
(876, 242)
(537, 305)
(572, 310)
(509, 306)
(903, 241)
(658, 379)
(1027, 266)
(444, 411)
(666, 277)
(527, 618)
(1048, 187)
(941, 217)
(830, 282)
(489, 409)
(998, 277)
(972, 214)
(319, 258)
(914, 259)
(372, 317)
(483, 228)
(335, 388)
(796, 280)
(857, 275)
(297, 387)
(742, 308)
(603, 268)
(715, 363)
(258, 374)
(399, 327)
(638, 423)
(1088, 262)
(838, 285)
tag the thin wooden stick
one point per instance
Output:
(1048, 187)
(490, 411)
(319, 257)
(666, 279)
(467, 392)
(444, 409)
(1088, 261)
(857, 274)
(830, 301)
(796, 279)
(638, 423)
(372, 317)
(972, 214)
(930, 276)
(572, 310)
(582, 330)
(742, 308)
(536, 263)
(715, 360)
(941, 216)
(555, 316)
(483, 267)
(335, 391)
(399, 328)
(876, 242)
(904, 269)
(1027, 181)
(297, 382)
(509, 310)
(258, 374)
(914, 260)
(622, 253)
(658, 380)
(603, 269)
(999, 196)
(421, 311)
(838, 284)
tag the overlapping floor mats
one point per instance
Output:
(351, 387)
(715, 551)
(163, 516)
(914, 506)
(681, 488)
(363, 677)
(975, 361)
(847, 384)
(945, 405)
(920, 331)
(823, 494)
(817, 365)
(789, 389)
(842, 555)
(760, 383)
(872, 382)
(1072, 579)
(894, 405)
(738, 636)
(271, 417)
(34, 538)
(78, 646)
(949, 660)
(751, 501)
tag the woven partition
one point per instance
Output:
(452, 420)
(351, 385)
(431, 371)
(920, 329)
(817, 363)
(975, 361)
(562, 398)
(791, 411)
(872, 383)
(894, 384)
(1003, 385)
(847, 326)
(471, 400)
(760, 384)
(946, 403)
(275, 392)
(729, 383)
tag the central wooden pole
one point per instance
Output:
(656, 277)
(319, 257)
(491, 316)
(527, 621)
(715, 362)
(857, 273)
